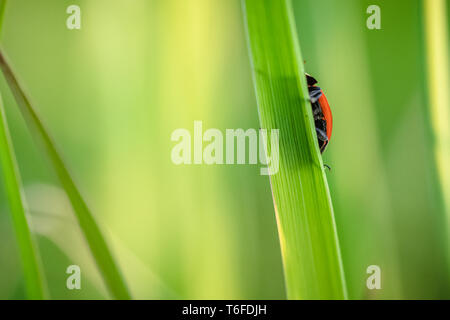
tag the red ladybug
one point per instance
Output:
(323, 119)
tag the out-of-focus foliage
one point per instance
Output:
(111, 95)
(113, 92)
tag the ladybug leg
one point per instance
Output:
(314, 94)
(321, 135)
(322, 139)
(327, 166)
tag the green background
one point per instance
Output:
(112, 93)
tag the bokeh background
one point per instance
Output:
(113, 92)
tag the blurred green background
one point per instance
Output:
(113, 92)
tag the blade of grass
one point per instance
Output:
(35, 286)
(100, 251)
(437, 55)
(2, 13)
(33, 275)
(305, 218)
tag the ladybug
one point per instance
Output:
(323, 119)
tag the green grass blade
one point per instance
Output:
(100, 251)
(2, 12)
(35, 286)
(438, 80)
(33, 275)
(307, 231)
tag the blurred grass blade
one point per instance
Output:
(437, 55)
(33, 275)
(307, 231)
(102, 255)
(35, 287)
(2, 13)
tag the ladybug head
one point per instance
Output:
(311, 80)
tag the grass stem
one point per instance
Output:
(100, 251)
(438, 79)
(33, 275)
(308, 238)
